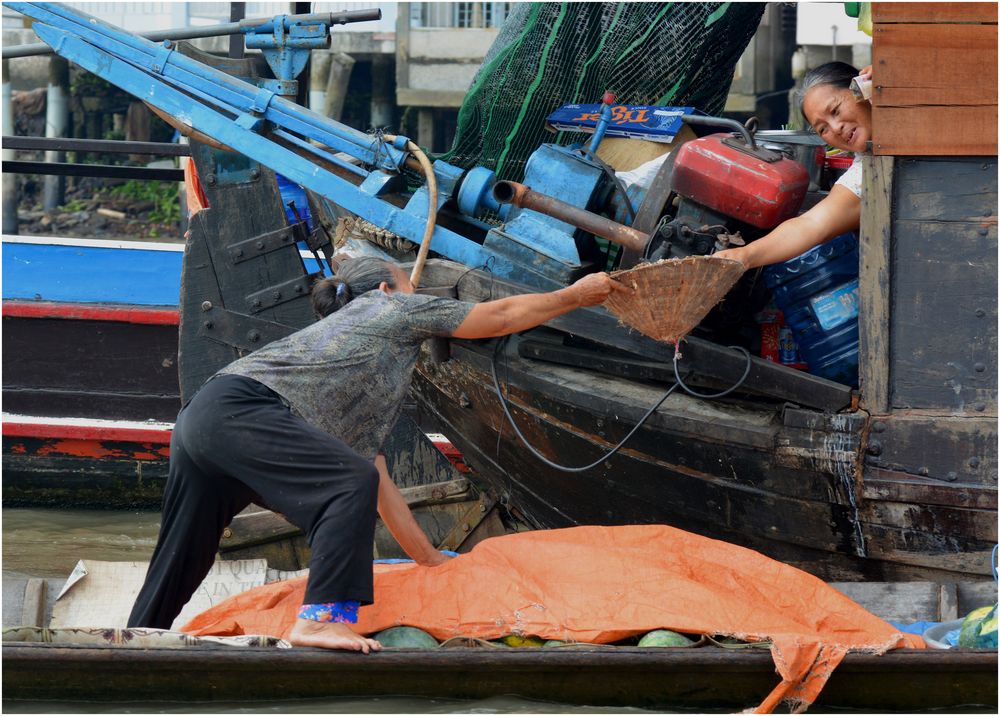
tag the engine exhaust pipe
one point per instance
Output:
(509, 192)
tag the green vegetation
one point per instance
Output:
(74, 205)
(163, 194)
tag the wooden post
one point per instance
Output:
(341, 65)
(319, 74)
(237, 11)
(874, 287)
(56, 121)
(382, 82)
(425, 128)
(9, 179)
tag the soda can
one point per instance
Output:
(788, 351)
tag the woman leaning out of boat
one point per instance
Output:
(298, 425)
(843, 122)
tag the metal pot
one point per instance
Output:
(804, 147)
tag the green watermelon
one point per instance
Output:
(407, 638)
(979, 629)
(665, 637)
(555, 642)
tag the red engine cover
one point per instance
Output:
(737, 184)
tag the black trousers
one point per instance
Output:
(236, 443)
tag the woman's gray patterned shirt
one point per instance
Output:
(349, 373)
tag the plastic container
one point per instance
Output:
(290, 191)
(817, 292)
(943, 635)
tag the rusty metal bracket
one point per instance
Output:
(467, 524)
(281, 293)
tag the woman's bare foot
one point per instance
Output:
(330, 635)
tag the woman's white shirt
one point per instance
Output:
(851, 179)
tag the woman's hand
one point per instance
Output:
(595, 288)
(435, 559)
(866, 72)
(734, 254)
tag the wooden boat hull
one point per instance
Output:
(613, 676)
(774, 478)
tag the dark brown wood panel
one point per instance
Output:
(956, 449)
(897, 486)
(93, 369)
(902, 680)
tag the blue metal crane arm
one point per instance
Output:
(212, 85)
(220, 125)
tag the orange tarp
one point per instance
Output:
(603, 584)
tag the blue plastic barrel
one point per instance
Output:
(818, 293)
(290, 191)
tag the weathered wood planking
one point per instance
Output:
(919, 106)
(944, 318)
(874, 283)
(721, 486)
(116, 479)
(902, 680)
(929, 52)
(88, 368)
(949, 449)
(944, 285)
(946, 189)
(897, 486)
(956, 12)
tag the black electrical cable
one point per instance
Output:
(616, 448)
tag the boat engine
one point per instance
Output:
(725, 191)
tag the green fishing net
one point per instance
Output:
(549, 54)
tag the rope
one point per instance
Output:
(432, 197)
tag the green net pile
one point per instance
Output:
(549, 54)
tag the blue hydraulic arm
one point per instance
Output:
(261, 124)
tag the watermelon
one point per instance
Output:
(979, 629)
(665, 637)
(555, 642)
(406, 637)
(520, 642)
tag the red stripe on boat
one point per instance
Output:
(85, 312)
(86, 432)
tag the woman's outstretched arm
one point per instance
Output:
(519, 313)
(839, 212)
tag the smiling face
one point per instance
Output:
(838, 118)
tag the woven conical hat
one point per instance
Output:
(672, 296)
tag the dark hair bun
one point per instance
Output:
(329, 295)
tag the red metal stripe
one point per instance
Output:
(86, 432)
(79, 311)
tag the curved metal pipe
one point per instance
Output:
(722, 122)
(509, 192)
